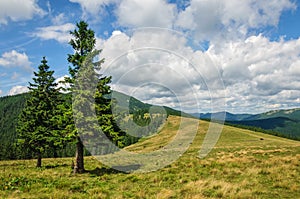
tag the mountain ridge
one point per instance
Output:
(284, 122)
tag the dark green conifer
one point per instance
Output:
(83, 43)
(36, 129)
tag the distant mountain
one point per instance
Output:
(220, 116)
(293, 114)
(282, 122)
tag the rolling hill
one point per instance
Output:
(132, 104)
(281, 122)
(220, 116)
(243, 164)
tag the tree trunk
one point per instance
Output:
(55, 153)
(79, 162)
(39, 160)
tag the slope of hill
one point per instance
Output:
(293, 114)
(11, 106)
(281, 126)
(243, 164)
(282, 122)
(220, 116)
(128, 102)
(285, 122)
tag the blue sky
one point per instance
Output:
(198, 55)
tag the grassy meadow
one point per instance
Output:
(243, 164)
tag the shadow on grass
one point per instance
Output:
(56, 165)
(114, 170)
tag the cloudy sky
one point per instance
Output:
(197, 55)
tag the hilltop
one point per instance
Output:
(243, 164)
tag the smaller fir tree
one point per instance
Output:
(36, 128)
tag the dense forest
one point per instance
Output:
(10, 108)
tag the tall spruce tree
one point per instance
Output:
(83, 43)
(36, 129)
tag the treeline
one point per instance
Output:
(258, 129)
(10, 109)
(139, 121)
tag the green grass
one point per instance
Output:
(243, 164)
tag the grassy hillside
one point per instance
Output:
(289, 123)
(281, 126)
(243, 164)
(284, 123)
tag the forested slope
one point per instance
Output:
(11, 106)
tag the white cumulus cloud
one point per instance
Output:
(258, 72)
(230, 19)
(15, 59)
(18, 90)
(61, 84)
(136, 13)
(252, 73)
(16, 10)
(155, 61)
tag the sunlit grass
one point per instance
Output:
(244, 164)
